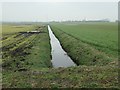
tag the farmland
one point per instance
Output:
(26, 57)
(97, 43)
(19, 48)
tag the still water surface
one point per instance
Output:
(59, 56)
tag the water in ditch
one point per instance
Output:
(59, 56)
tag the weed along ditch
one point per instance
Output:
(59, 56)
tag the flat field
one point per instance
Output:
(104, 36)
(26, 57)
(89, 43)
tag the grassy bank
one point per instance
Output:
(40, 55)
(72, 77)
(84, 43)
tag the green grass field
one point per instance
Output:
(10, 29)
(89, 43)
(104, 36)
(26, 58)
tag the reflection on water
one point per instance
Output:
(59, 56)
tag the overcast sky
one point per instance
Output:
(58, 11)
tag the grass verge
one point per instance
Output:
(72, 77)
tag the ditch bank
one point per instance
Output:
(81, 53)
